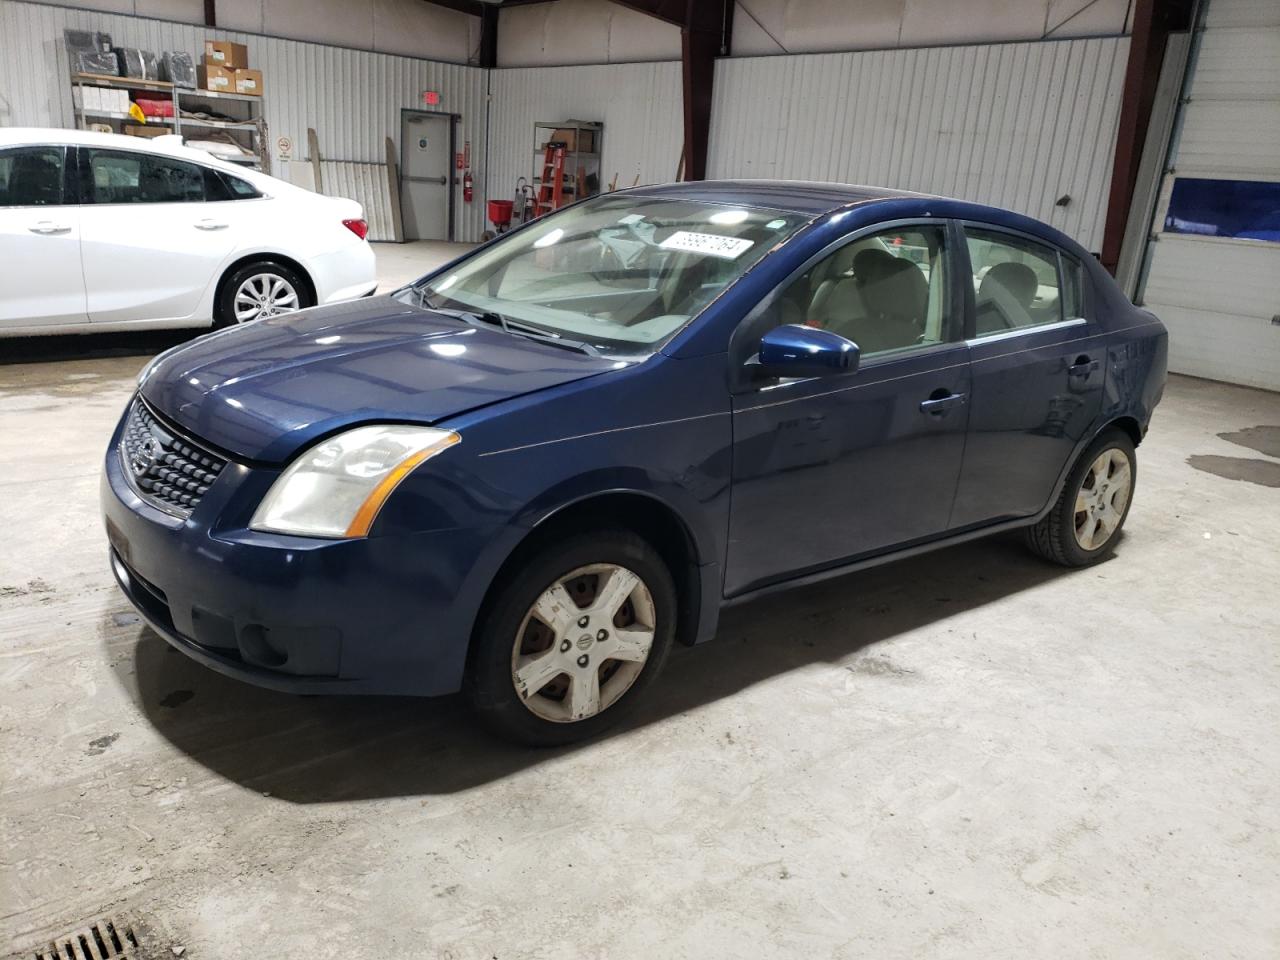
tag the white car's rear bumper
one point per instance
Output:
(344, 274)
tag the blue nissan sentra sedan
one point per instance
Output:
(527, 474)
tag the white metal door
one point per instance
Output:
(1219, 295)
(41, 282)
(426, 173)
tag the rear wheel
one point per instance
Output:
(258, 290)
(1083, 525)
(568, 645)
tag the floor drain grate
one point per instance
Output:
(103, 940)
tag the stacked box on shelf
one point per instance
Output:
(90, 52)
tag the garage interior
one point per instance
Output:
(968, 753)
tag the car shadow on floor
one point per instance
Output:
(321, 749)
(93, 346)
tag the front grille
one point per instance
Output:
(168, 469)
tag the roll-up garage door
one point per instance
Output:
(1214, 269)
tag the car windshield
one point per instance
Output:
(618, 274)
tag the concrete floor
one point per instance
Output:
(970, 754)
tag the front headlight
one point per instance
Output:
(336, 488)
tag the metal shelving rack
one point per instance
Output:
(579, 164)
(254, 126)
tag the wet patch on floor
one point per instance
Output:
(101, 743)
(21, 590)
(876, 666)
(1265, 473)
(1264, 439)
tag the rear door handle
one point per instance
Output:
(940, 401)
(1082, 367)
(210, 225)
(47, 227)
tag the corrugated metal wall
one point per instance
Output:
(1018, 125)
(368, 183)
(1218, 295)
(352, 98)
(639, 104)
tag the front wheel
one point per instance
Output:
(1082, 527)
(259, 290)
(567, 646)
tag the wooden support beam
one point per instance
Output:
(210, 13)
(1153, 20)
(489, 37)
(705, 30)
(698, 50)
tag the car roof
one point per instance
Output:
(796, 196)
(170, 145)
(815, 199)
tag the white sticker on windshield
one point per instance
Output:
(727, 248)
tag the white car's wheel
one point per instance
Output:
(260, 290)
(572, 639)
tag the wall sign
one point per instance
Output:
(430, 98)
(284, 148)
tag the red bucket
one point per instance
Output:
(500, 212)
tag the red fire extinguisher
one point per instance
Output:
(468, 186)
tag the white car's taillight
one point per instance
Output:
(359, 227)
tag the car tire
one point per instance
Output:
(527, 682)
(275, 287)
(1085, 522)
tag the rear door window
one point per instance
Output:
(1016, 283)
(32, 176)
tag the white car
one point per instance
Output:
(100, 232)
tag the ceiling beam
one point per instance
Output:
(472, 7)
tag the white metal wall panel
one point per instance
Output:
(352, 98)
(639, 104)
(1239, 63)
(1230, 140)
(1218, 296)
(365, 183)
(1242, 13)
(1017, 125)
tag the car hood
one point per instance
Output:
(264, 390)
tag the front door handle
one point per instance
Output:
(1082, 367)
(48, 227)
(210, 225)
(940, 401)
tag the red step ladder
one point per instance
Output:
(551, 183)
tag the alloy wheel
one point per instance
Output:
(583, 643)
(1102, 498)
(264, 295)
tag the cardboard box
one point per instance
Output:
(219, 79)
(220, 53)
(133, 130)
(584, 140)
(87, 98)
(249, 81)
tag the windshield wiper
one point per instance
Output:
(513, 327)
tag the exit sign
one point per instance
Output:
(430, 98)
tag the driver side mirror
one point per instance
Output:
(792, 350)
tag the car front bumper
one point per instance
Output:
(384, 615)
